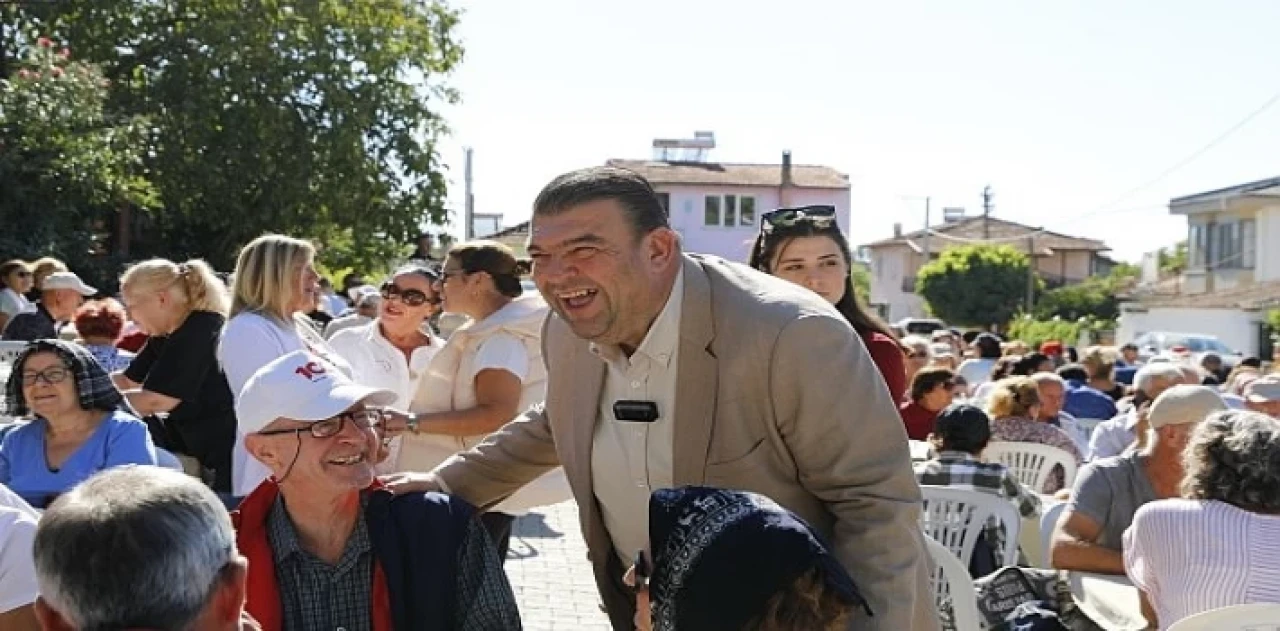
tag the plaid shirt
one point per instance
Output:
(316, 595)
(962, 470)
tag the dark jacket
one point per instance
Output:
(415, 540)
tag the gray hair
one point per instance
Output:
(1147, 376)
(133, 546)
(1234, 457)
(915, 340)
(1042, 378)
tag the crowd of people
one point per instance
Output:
(268, 451)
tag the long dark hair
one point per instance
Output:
(768, 242)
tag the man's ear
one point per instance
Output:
(266, 451)
(662, 246)
(227, 603)
(49, 619)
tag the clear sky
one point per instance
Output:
(1062, 109)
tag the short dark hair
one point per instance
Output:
(963, 427)
(1129, 347)
(1073, 372)
(929, 378)
(988, 346)
(628, 188)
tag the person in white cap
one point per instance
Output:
(1263, 395)
(330, 549)
(1109, 491)
(60, 296)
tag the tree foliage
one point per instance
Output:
(1173, 259)
(66, 166)
(861, 281)
(1035, 332)
(979, 284)
(318, 119)
(1096, 297)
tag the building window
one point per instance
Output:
(711, 216)
(729, 211)
(747, 211)
(1196, 246)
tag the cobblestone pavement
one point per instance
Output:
(548, 567)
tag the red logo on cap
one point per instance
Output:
(312, 371)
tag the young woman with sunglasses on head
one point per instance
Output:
(16, 280)
(489, 372)
(805, 246)
(392, 352)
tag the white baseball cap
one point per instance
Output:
(1184, 404)
(303, 387)
(1263, 389)
(68, 280)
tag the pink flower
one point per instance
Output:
(44, 42)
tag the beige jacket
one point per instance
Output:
(776, 395)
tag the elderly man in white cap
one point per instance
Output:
(1109, 491)
(329, 549)
(60, 296)
(1263, 395)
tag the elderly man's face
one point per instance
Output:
(1051, 395)
(342, 461)
(603, 279)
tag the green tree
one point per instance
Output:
(1096, 297)
(318, 119)
(66, 167)
(1173, 259)
(975, 285)
(861, 281)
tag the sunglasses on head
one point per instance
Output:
(820, 216)
(411, 297)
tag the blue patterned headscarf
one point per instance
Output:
(719, 556)
(93, 384)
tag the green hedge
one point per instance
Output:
(1034, 332)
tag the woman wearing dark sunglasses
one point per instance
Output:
(805, 246)
(392, 351)
(16, 280)
(490, 370)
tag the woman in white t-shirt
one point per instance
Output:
(16, 278)
(18, 588)
(274, 284)
(392, 351)
(489, 371)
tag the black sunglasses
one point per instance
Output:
(411, 297)
(821, 216)
(332, 426)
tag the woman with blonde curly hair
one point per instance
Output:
(1224, 528)
(1014, 406)
(182, 307)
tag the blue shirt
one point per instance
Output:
(1081, 401)
(120, 439)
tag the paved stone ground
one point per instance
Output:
(548, 568)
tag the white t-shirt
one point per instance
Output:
(249, 342)
(502, 351)
(17, 565)
(12, 303)
(376, 363)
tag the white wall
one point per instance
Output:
(1235, 327)
(687, 205)
(1268, 247)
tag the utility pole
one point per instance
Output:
(468, 203)
(1031, 271)
(926, 230)
(987, 207)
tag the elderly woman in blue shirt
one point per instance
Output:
(78, 427)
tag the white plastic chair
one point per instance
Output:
(1048, 520)
(1031, 463)
(1088, 424)
(955, 517)
(1256, 617)
(951, 585)
(10, 350)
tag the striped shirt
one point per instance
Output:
(1192, 556)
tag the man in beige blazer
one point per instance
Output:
(757, 384)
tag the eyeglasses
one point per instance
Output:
(820, 216)
(411, 297)
(363, 419)
(57, 374)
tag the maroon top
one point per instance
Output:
(887, 354)
(917, 419)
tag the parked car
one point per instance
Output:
(920, 326)
(1196, 345)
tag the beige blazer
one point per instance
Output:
(776, 395)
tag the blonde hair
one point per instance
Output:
(192, 284)
(41, 268)
(1013, 398)
(265, 278)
